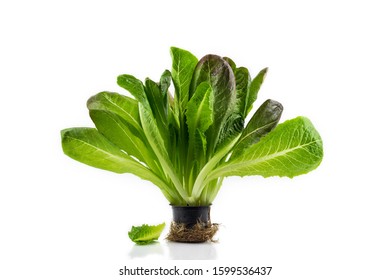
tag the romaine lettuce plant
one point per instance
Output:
(188, 142)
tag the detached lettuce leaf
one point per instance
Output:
(145, 234)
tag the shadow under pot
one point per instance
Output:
(191, 224)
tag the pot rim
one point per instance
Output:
(190, 206)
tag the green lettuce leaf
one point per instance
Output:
(117, 131)
(183, 65)
(123, 106)
(291, 149)
(199, 118)
(88, 146)
(117, 118)
(254, 90)
(145, 234)
(165, 82)
(151, 131)
(159, 104)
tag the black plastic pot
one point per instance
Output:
(191, 215)
(191, 224)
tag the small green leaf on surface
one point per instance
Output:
(145, 234)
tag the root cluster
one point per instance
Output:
(200, 232)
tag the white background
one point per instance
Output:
(328, 60)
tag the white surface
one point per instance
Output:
(328, 61)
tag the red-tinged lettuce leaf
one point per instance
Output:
(262, 122)
(218, 73)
